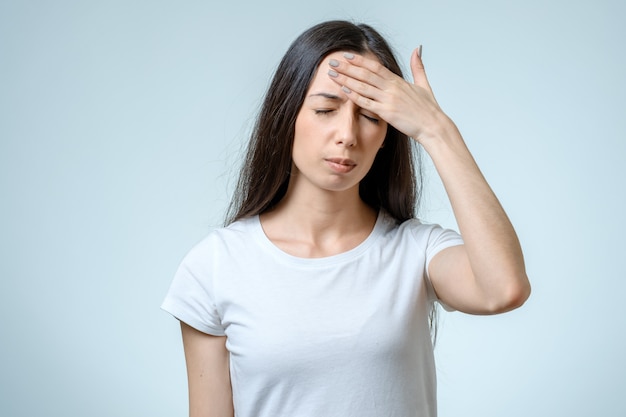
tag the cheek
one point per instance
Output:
(376, 134)
(300, 129)
(302, 143)
(304, 125)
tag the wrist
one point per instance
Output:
(443, 133)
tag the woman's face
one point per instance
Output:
(335, 141)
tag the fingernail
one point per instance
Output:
(419, 51)
(345, 89)
(348, 55)
(333, 63)
(332, 73)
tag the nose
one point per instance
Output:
(347, 130)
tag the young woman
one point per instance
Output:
(314, 300)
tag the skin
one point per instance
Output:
(336, 140)
(335, 144)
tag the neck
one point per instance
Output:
(319, 223)
(323, 207)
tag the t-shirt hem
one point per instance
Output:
(181, 315)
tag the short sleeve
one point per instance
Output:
(191, 298)
(439, 239)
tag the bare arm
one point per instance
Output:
(486, 275)
(208, 374)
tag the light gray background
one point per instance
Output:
(121, 124)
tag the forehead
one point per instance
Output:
(321, 80)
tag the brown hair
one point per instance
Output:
(394, 181)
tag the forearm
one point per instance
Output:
(491, 244)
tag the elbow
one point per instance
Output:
(514, 296)
(519, 294)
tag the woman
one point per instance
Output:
(314, 299)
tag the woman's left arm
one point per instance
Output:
(486, 275)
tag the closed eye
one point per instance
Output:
(322, 111)
(370, 118)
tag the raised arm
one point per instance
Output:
(486, 275)
(208, 374)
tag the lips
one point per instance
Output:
(340, 165)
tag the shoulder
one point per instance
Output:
(214, 255)
(416, 238)
(219, 242)
(417, 230)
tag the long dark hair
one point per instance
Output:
(393, 183)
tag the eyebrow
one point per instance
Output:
(326, 95)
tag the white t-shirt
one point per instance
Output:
(345, 335)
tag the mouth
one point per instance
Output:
(340, 165)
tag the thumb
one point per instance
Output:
(417, 68)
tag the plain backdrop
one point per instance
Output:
(121, 130)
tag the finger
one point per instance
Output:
(359, 69)
(362, 101)
(417, 69)
(372, 65)
(363, 88)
